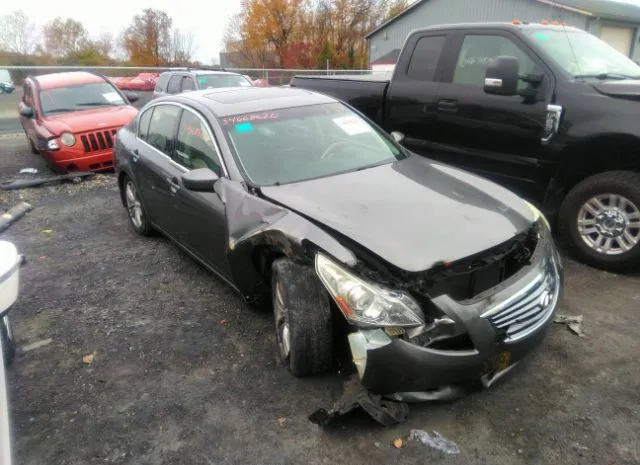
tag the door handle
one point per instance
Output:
(135, 155)
(173, 185)
(448, 105)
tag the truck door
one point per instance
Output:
(495, 136)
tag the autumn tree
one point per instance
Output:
(63, 37)
(147, 41)
(17, 33)
(181, 48)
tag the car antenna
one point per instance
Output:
(566, 33)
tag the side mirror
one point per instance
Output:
(501, 76)
(26, 111)
(201, 179)
(398, 137)
(132, 97)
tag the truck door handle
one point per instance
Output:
(448, 105)
(173, 185)
(135, 155)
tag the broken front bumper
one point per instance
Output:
(503, 326)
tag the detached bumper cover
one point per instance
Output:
(504, 325)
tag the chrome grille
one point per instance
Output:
(527, 310)
(98, 140)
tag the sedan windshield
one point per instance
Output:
(213, 81)
(584, 55)
(80, 97)
(297, 144)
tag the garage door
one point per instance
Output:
(619, 38)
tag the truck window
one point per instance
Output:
(476, 53)
(425, 58)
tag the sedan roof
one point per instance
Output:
(229, 101)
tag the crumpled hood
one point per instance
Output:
(90, 120)
(626, 89)
(412, 213)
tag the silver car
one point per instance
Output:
(177, 82)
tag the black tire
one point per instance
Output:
(307, 312)
(8, 345)
(620, 183)
(140, 224)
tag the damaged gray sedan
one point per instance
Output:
(435, 276)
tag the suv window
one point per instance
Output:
(188, 84)
(174, 84)
(162, 127)
(194, 147)
(425, 58)
(143, 123)
(161, 86)
(478, 51)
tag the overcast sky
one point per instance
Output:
(207, 20)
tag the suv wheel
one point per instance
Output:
(600, 219)
(303, 319)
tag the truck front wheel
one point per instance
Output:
(600, 220)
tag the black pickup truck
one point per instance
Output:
(549, 111)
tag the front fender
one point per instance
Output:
(253, 222)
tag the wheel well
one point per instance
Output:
(605, 153)
(263, 257)
(590, 157)
(121, 177)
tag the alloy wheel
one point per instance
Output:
(609, 224)
(134, 207)
(283, 332)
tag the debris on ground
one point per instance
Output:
(36, 182)
(398, 443)
(36, 345)
(29, 171)
(89, 359)
(573, 322)
(282, 421)
(47, 231)
(14, 214)
(435, 441)
(355, 395)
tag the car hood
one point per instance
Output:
(88, 120)
(412, 213)
(626, 89)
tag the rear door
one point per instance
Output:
(175, 84)
(413, 91)
(201, 224)
(499, 137)
(188, 84)
(154, 166)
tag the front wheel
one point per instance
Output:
(600, 220)
(303, 319)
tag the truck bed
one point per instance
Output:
(365, 92)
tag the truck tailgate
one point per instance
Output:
(366, 93)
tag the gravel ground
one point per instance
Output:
(177, 370)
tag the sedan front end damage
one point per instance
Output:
(480, 338)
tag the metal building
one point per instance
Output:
(614, 21)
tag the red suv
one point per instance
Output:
(72, 119)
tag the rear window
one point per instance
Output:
(212, 81)
(162, 83)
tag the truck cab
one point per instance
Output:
(544, 109)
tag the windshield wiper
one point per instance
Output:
(603, 76)
(95, 104)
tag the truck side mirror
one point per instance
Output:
(502, 75)
(26, 111)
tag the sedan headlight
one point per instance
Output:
(68, 139)
(538, 214)
(366, 304)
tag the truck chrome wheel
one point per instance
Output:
(609, 224)
(133, 204)
(282, 325)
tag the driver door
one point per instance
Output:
(495, 136)
(200, 219)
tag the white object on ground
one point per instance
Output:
(436, 441)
